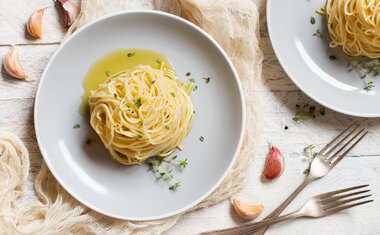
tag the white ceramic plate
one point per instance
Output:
(132, 192)
(305, 58)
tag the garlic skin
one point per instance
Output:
(275, 164)
(34, 25)
(12, 65)
(247, 211)
(70, 11)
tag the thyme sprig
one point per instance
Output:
(306, 111)
(167, 175)
(365, 69)
(311, 154)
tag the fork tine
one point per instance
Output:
(324, 195)
(336, 137)
(336, 198)
(338, 203)
(344, 146)
(344, 154)
(341, 141)
(336, 209)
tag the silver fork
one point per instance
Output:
(323, 162)
(318, 206)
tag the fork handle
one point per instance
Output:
(252, 227)
(285, 203)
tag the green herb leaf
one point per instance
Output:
(139, 136)
(309, 147)
(115, 95)
(138, 103)
(184, 163)
(119, 109)
(318, 34)
(207, 79)
(167, 127)
(131, 54)
(369, 85)
(140, 124)
(174, 186)
(312, 20)
(192, 80)
(158, 61)
(195, 88)
(188, 74)
(153, 81)
(201, 138)
(76, 126)
(107, 73)
(173, 94)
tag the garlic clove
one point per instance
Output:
(247, 211)
(12, 65)
(70, 11)
(34, 25)
(275, 164)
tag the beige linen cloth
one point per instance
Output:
(234, 24)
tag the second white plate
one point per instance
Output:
(305, 58)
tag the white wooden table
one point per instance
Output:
(278, 96)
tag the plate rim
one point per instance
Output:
(299, 84)
(226, 171)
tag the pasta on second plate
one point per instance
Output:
(355, 25)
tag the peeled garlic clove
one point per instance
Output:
(247, 211)
(70, 11)
(275, 163)
(34, 25)
(12, 65)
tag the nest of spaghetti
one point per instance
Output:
(355, 25)
(141, 112)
